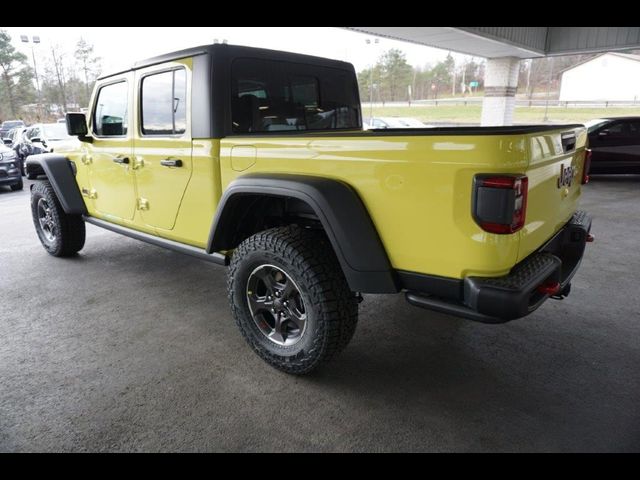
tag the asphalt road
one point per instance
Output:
(129, 347)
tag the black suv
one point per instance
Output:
(10, 168)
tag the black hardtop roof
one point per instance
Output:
(231, 51)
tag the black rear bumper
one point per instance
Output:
(500, 299)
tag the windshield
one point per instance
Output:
(56, 131)
(595, 123)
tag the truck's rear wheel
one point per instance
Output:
(290, 299)
(61, 235)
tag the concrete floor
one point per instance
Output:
(129, 347)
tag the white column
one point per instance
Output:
(500, 83)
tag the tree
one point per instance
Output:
(16, 75)
(392, 74)
(396, 73)
(89, 64)
(58, 65)
(441, 75)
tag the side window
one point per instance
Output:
(617, 129)
(164, 99)
(270, 96)
(110, 114)
(635, 130)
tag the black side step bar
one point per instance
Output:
(442, 306)
(200, 253)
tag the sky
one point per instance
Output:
(121, 46)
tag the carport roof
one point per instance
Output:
(521, 42)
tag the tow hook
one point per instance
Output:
(564, 293)
(359, 297)
(590, 238)
(549, 288)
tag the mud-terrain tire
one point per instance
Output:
(290, 299)
(61, 235)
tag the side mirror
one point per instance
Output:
(7, 141)
(77, 126)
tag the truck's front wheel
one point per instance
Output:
(61, 235)
(290, 299)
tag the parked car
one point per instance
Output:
(10, 168)
(8, 125)
(45, 138)
(395, 122)
(276, 179)
(615, 144)
(13, 140)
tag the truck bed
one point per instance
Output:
(417, 185)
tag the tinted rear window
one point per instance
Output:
(275, 96)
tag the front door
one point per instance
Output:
(162, 144)
(110, 154)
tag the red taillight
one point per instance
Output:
(586, 166)
(500, 202)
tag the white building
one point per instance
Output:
(607, 77)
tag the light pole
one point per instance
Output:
(376, 41)
(35, 39)
(546, 105)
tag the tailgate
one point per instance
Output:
(555, 178)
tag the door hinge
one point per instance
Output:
(89, 193)
(143, 204)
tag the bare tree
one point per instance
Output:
(88, 63)
(57, 58)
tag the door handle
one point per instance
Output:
(121, 160)
(171, 163)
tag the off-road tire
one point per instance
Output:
(69, 229)
(17, 186)
(306, 256)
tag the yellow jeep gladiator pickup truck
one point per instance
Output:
(257, 160)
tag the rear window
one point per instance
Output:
(275, 96)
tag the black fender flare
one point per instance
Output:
(60, 172)
(341, 212)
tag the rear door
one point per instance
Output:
(162, 145)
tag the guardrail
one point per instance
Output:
(519, 103)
